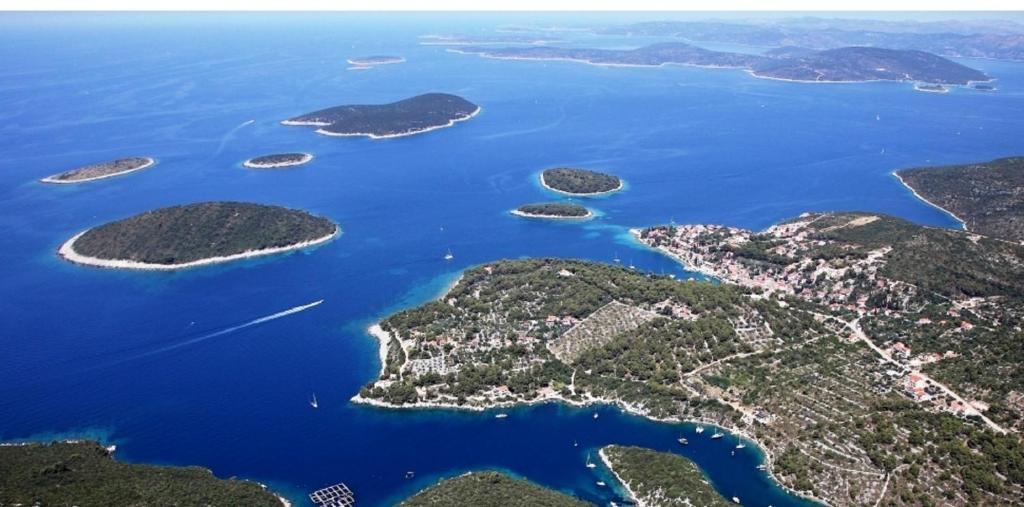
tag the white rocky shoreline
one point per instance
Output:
(306, 157)
(963, 224)
(54, 178)
(371, 135)
(67, 251)
(524, 214)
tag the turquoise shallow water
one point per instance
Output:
(123, 356)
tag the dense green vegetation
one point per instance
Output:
(579, 181)
(662, 478)
(489, 489)
(945, 262)
(405, 116)
(83, 474)
(192, 232)
(555, 209)
(988, 197)
(278, 159)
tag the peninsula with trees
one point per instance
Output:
(85, 473)
(845, 64)
(579, 182)
(987, 197)
(872, 359)
(553, 210)
(415, 115)
(101, 170)
(278, 160)
(197, 234)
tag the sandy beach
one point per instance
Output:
(67, 251)
(387, 136)
(50, 179)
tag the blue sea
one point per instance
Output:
(138, 359)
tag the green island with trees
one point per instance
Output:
(661, 478)
(191, 233)
(83, 473)
(553, 210)
(575, 181)
(490, 489)
(405, 117)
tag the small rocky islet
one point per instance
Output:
(101, 170)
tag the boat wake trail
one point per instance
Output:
(227, 137)
(222, 332)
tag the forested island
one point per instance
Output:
(872, 359)
(987, 197)
(415, 115)
(553, 210)
(85, 474)
(660, 478)
(847, 64)
(278, 160)
(490, 489)
(197, 234)
(580, 182)
(101, 170)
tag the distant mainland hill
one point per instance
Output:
(415, 115)
(848, 64)
(197, 234)
(968, 38)
(987, 197)
(101, 170)
(580, 182)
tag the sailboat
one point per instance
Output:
(717, 435)
(313, 403)
(448, 256)
(682, 440)
(616, 258)
(590, 464)
(740, 446)
(700, 429)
